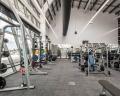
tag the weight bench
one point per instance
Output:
(107, 86)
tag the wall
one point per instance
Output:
(95, 32)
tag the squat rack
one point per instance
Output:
(107, 70)
(22, 27)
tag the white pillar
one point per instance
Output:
(43, 34)
(43, 28)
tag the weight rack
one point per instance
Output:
(22, 27)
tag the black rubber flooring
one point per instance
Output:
(65, 79)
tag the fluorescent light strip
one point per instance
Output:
(117, 17)
(91, 20)
(106, 33)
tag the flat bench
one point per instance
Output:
(107, 86)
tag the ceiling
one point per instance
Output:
(112, 7)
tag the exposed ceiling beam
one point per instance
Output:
(97, 3)
(49, 11)
(93, 5)
(109, 5)
(44, 1)
(56, 3)
(87, 5)
(101, 5)
(79, 4)
(59, 1)
(45, 6)
(39, 3)
(94, 16)
(115, 8)
(73, 3)
(87, 2)
(117, 13)
(47, 25)
(53, 9)
(50, 14)
(48, 18)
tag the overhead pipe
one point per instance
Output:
(91, 20)
(66, 15)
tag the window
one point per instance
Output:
(34, 20)
(28, 14)
(12, 1)
(21, 6)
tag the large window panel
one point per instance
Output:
(3, 15)
(28, 15)
(12, 1)
(21, 7)
(13, 48)
(34, 21)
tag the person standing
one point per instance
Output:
(91, 61)
(59, 53)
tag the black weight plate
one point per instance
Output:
(3, 68)
(2, 82)
(6, 40)
(6, 54)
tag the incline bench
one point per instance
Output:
(107, 86)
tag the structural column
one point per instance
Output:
(43, 28)
(119, 31)
(43, 34)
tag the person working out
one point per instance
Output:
(91, 61)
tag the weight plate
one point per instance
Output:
(36, 52)
(6, 40)
(35, 58)
(3, 68)
(6, 53)
(2, 82)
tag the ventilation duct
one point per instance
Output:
(66, 15)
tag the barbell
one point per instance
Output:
(3, 67)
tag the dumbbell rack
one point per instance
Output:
(10, 58)
(3, 45)
(36, 71)
(22, 28)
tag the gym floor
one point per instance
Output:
(65, 79)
